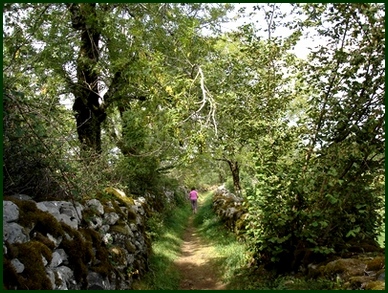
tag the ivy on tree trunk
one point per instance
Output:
(89, 113)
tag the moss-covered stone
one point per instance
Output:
(346, 267)
(130, 247)
(108, 210)
(117, 255)
(34, 275)
(88, 214)
(120, 195)
(147, 210)
(80, 253)
(376, 263)
(127, 201)
(375, 285)
(121, 229)
(131, 215)
(11, 279)
(101, 261)
(117, 209)
(12, 250)
(357, 245)
(37, 220)
(57, 279)
(45, 240)
(114, 191)
(85, 249)
(356, 282)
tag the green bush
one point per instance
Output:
(296, 220)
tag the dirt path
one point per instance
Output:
(196, 263)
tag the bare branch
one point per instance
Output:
(206, 98)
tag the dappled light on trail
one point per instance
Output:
(197, 263)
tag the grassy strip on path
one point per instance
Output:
(166, 247)
(232, 255)
(167, 242)
(230, 260)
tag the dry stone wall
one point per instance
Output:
(60, 245)
(230, 209)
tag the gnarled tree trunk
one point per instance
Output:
(89, 113)
(234, 168)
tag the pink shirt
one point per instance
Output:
(193, 194)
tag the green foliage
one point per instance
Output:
(308, 136)
(229, 185)
(258, 279)
(33, 158)
(311, 198)
(139, 53)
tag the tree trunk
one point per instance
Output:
(88, 112)
(234, 168)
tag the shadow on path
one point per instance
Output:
(197, 263)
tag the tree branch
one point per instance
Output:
(206, 98)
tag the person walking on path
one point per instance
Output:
(193, 197)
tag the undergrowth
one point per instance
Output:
(250, 279)
(233, 259)
(167, 232)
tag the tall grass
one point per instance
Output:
(167, 235)
(381, 237)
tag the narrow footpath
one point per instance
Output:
(197, 263)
